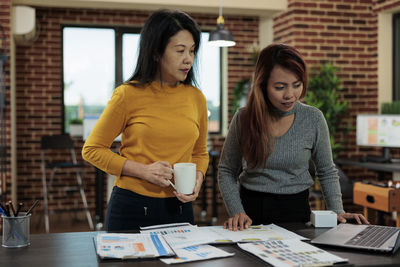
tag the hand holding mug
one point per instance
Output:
(184, 177)
(189, 198)
(187, 181)
(159, 173)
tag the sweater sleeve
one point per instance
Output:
(96, 149)
(200, 153)
(228, 170)
(325, 168)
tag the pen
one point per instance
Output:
(18, 208)
(31, 208)
(3, 208)
(12, 208)
(7, 210)
(2, 212)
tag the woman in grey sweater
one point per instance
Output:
(269, 145)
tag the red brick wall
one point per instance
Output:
(39, 66)
(382, 5)
(341, 31)
(345, 33)
(5, 22)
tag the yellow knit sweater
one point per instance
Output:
(157, 123)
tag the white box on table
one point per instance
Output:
(323, 218)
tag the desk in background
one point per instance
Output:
(379, 167)
(77, 249)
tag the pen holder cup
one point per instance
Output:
(16, 231)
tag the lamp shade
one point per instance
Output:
(221, 37)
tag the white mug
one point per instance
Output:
(185, 177)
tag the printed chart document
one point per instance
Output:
(197, 253)
(125, 246)
(182, 236)
(290, 253)
(252, 234)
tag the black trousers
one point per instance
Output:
(266, 208)
(128, 211)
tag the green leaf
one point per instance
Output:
(323, 93)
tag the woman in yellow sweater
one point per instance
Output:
(162, 120)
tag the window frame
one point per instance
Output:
(118, 79)
(396, 57)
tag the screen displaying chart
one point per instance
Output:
(378, 130)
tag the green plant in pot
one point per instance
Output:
(76, 121)
(240, 92)
(323, 93)
(76, 127)
(242, 87)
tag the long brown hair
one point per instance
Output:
(255, 136)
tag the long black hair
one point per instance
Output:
(154, 38)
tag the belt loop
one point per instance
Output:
(145, 211)
(180, 207)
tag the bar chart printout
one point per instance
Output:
(124, 246)
(290, 253)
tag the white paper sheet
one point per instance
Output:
(286, 234)
(290, 253)
(122, 246)
(252, 234)
(182, 236)
(197, 253)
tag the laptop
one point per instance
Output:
(360, 236)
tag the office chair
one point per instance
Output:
(60, 143)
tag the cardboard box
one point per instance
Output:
(323, 218)
(376, 197)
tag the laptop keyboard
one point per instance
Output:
(373, 236)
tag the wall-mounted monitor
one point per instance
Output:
(379, 131)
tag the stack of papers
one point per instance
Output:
(125, 246)
(186, 242)
(189, 242)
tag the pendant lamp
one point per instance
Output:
(221, 37)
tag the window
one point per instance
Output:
(95, 60)
(396, 57)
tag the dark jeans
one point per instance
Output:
(128, 211)
(266, 208)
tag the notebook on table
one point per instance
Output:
(368, 237)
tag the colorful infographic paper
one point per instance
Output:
(122, 246)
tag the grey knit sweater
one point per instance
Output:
(286, 170)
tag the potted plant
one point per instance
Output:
(76, 127)
(323, 93)
(242, 87)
